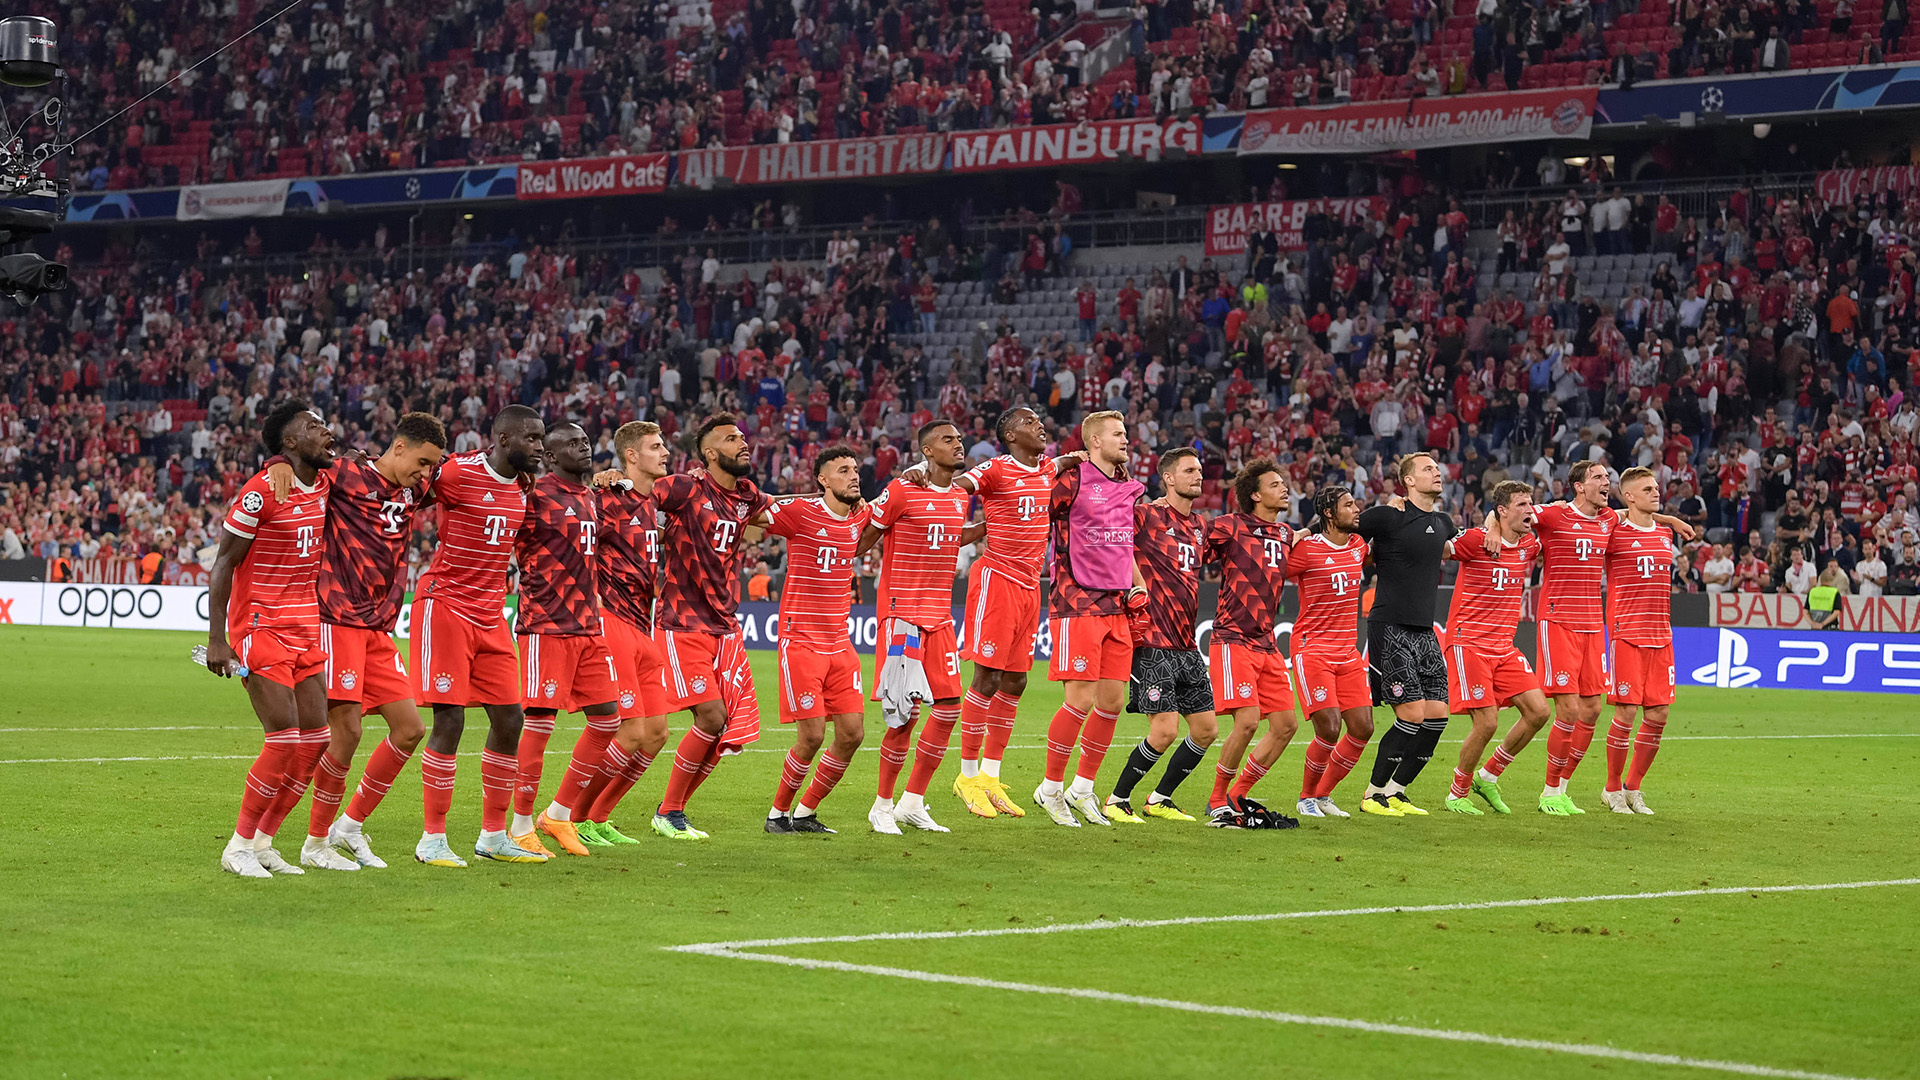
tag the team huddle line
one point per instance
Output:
(628, 592)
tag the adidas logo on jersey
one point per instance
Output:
(1329, 560)
(488, 497)
(824, 532)
(634, 521)
(570, 512)
(1429, 528)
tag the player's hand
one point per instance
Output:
(1139, 623)
(916, 474)
(222, 660)
(1398, 502)
(1490, 542)
(280, 480)
(606, 478)
(355, 454)
(1685, 530)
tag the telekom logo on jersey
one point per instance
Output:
(939, 535)
(1584, 548)
(496, 529)
(307, 538)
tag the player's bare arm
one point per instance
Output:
(221, 659)
(868, 537)
(973, 532)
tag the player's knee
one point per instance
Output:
(1012, 683)
(1326, 725)
(1203, 729)
(986, 681)
(1284, 725)
(1360, 725)
(710, 717)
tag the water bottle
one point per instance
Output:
(199, 655)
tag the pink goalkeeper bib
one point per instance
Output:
(1100, 529)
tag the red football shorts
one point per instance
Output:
(1331, 680)
(639, 668)
(1087, 647)
(566, 672)
(1482, 680)
(939, 657)
(276, 659)
(1572, 661)
(1002, 620)
(712, 667)
(363, 666)
(815, 683)
(456, 661)
(1642, 675)
(1243, 677)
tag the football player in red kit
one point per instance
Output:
(462, 648)
(705, 516)
(1327, 565)
(1640, 627)
(628, 566)
(1485, 671)
(924, 525)
(819, 671)
(1249, 672)
(564, 662)
(264, 624)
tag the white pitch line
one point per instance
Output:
(551, 752)
(1578, 1049)
(1321, 913)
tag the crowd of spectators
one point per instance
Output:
(1765, 360)
(360, 86)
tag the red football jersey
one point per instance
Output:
(480, 515)
(702, 523)
(1068, 597)
(1014, 498)
(628, 550)
(369, 522)
(1328, 578)
(1575, 547)
(1640, 584)
(922, 546)
(1253, 566)
(559, 589)
(817, 596)
(1488, 593)
(273, 587)
(1169, 548)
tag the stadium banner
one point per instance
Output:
(800, 162)
(1752, 97)
(113, 607)
(1788, 611)
(1085, 143)
(250, 198)
(1796, 660)
(1229, 226)
(1423, 123)
(641, 174)
(1843, 185)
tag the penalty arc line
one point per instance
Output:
(1322, 913)
(1367, 1026)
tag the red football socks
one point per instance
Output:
(1497, 764)
(1000, 716)
(825, 776)
(1576, 749)
(619, 771)
(264, 779)
(583, 768)
(973, 725)
(932, 748)
(1618, 746)
(1346, 754)
(1095, 739)
(1222, 780)
(531, 761)
(793, 773)
(689, 758)
(436, 786)
(1462, 783)
(1318, 751)
(1250, 774)
(329, 787)
(893, 757)
(313, 743)
(1062, 733)
(383, 767)
(497, 775)
(1559, 740)
(1645, 745)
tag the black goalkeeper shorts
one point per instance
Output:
(1405, 664)
(1169, 681)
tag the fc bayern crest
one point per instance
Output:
(1397, 688)
(806, 701)
(1560, 679)
(1319, 693)
(1479, 691)
(626, 699)
(443, 683)
(1621, 689)
(1153, 693)
(699, 685)
(346, 680)
(986, 649)
(1079, 663)
(1246, 689)
(550, 687)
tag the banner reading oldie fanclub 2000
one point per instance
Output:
(1423, 123)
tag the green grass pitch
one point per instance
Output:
(125, 953)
